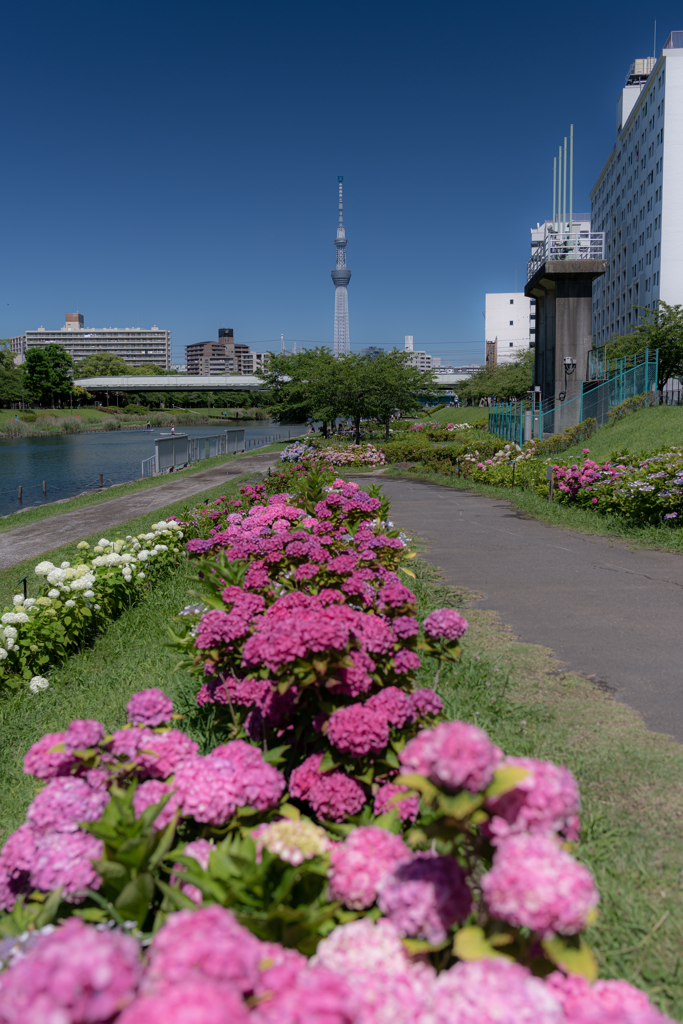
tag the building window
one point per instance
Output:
(511, 344)
(512, 301)
(511, 323)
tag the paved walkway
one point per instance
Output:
(605, 610)
(28, 541)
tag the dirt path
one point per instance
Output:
(28, 541)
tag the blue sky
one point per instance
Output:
(176, 164)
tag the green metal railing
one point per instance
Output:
(516, 422)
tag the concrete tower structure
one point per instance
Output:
(341, 276)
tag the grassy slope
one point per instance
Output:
(40, 512)
(471, 414)
(641, 431)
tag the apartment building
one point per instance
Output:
(637, 199)
(510, 326)
(222, 357)
(134, 344)
(423, 360)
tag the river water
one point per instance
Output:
(71, 463)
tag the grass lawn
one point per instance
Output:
(633, 802)
(470, 414)
(33, 515)
(641, 431)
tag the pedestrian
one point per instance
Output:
(172, 428)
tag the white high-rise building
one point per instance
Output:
(510, 326)
(134, 344)
(638, 197)
(341, 276)
(423, 360)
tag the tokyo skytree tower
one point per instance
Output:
(341, 276)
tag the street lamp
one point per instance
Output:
(569, 369)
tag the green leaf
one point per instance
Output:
(327, 763)
(178, 899)
(112, 873)
(459, 806)
(418, 782)
(49, 910)
(276, 755)
(415, 946)
(575, 959)
(391, 758)
(505, 779)
(471, 944)
(134, 901)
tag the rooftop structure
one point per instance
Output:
(418, 357)
(341, 276)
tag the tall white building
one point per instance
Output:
(134, 344)
(510, 326)
(638, 198)
(423, 360)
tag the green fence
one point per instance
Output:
(520, 421)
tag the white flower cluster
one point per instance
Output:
(79, 586)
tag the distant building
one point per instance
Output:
(222, 357)
(134, 344)
(372, 350)
(510, 326)
(421, 359)
(637, 200)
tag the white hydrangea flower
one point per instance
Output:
(180, 534)
(82, 570)
(56, 576)
(149, 536)
(29, 602)
(10, 617)
(17, 599)
(97, 607)
(70, 604)
(53, 593)
(119, 545)
(160, 547)
(88, 593)
(65, 565)
(143, 556)
(10, 632)
(43, 602)
(82, 545)
(98, 550)
(10, 645)
(43, 568)
(85, 582)
(140, 576)
(3, 653)
(112, 558)
(38, 683)
(129, 536)
(103, 542)
(127, 558)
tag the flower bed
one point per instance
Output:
(646, 490)
(79, 598)
(334, 454)
(333, 851)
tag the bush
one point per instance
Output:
(632, 405)
(567, 439)
(139, 410)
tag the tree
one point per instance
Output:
(300, 385)
(11, 376)
(505, 380)
(398, 386)
(660, 328)
(104, 364)
(47, 374)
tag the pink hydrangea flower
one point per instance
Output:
(425, 896)
(405, 626)
(445, 623)
(406, 661)
(603, 1002)
(189, 1002)
(426, 702)
(63, 803)
(386, 800)
(359, 864)
(152, 792)
(357, 679)
(395, 595)
(160, 753)
(82, 734)
(535, 884)
(199, 850)
(209, 789)
(44, 761)
(396, 705)
(336, 796)
(65, 859)
(149, 707)
(76, 974)
(278, 969)
(260, 784)
(454, 755)
(492, 992)
(547, 800)
(16, 861)
(200, 946)
(363, 945)
(317, 997)
(358, 730)
(303, 777)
